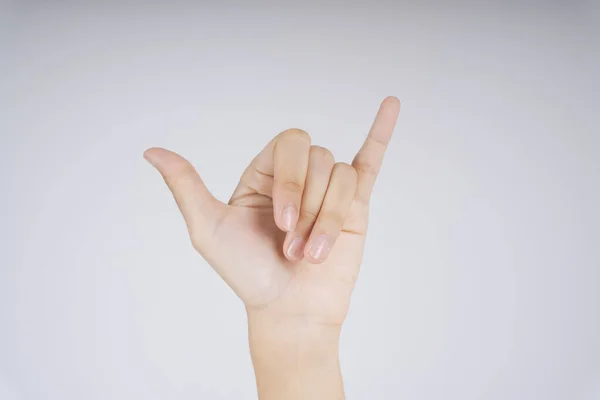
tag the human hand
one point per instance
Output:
(290, 240)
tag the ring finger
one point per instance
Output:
(333, 213)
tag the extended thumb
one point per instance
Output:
(201, 210)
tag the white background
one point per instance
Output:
(482, 270)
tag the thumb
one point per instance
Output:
(201, 211)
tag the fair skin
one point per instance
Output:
(289, 243)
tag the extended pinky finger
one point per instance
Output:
(329, 223)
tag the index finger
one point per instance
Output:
(370, 156)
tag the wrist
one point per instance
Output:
(294, 358)
(277, 329)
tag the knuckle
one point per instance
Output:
(196, 244)
(308, 215)
(184, 173)
(296, 134)
(346, 170)
(375, 141)
(364, 168)
(257, 175)
(291, 186)
(195, 240)
(321, 155)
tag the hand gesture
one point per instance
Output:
(289, 242)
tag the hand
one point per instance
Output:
(290, 240)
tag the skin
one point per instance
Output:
(289, 243)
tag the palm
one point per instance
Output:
(245, 240)
(263, 277)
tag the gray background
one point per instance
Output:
(481, 276)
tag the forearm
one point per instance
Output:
(295, 360)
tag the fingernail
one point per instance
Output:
(287, 220)
(319, 247)
(296, 249)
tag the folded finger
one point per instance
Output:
(290, 163)
(338, 199)
(320, 166)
